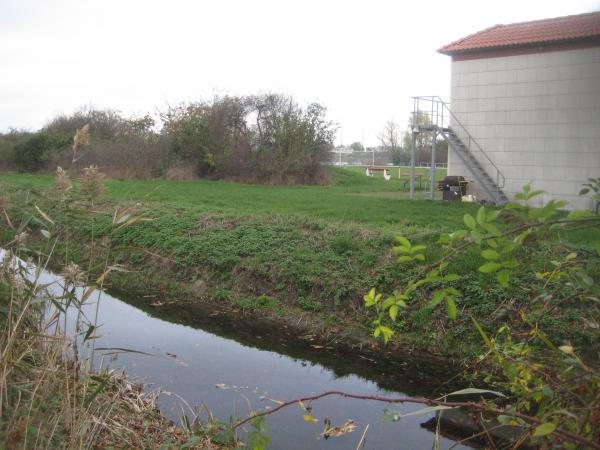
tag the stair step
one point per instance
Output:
(473, 164)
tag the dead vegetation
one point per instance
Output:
(51, 393)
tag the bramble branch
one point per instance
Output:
(429, 402)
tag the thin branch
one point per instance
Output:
(480, 407)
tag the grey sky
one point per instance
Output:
(363, 60)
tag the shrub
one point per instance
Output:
(33, 152)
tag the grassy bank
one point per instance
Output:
(289, 253)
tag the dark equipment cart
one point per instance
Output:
(453, 187)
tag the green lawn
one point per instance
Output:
(351, 197)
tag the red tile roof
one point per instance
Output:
(560, 29)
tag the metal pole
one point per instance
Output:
(413, 158)
(432, 174)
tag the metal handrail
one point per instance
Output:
(439, 122)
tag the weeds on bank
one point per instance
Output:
(552, 392)
(52, 395)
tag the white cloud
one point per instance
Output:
(363, 60)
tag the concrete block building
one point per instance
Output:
(529, 95)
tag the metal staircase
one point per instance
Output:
(433, 114)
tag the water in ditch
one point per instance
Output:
(230, 368)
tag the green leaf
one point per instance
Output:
(509, 247)
(492, 215)
(89, 332)
(481, 215)
(385, 331)
(453, 291)
(102, 385)
(389, 302)
(469, 221)
(403, 259)
(393, 312)
(503, 276)
(459, 234)
(437, 297)
(522, 236)
(370, 298)
(490, 267)
(512, 264)
(568, 349)
(490, 254)
(544, 429)
(45, 233)
(476, 235)
(403, 241)
(491, 228)
(451, 307)
(484, 336)
(402, 250)
(505, 420)
(579, 214)
(584, 191)
(444, 238)
(469, 391)
(451, 277)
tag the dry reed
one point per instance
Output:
(49, 397)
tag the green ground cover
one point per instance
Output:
(351, 198)
(290, 250)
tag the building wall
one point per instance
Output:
(537, 116)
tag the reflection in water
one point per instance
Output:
(203, 368)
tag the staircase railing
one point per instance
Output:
(432, 111)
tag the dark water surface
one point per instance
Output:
(189, 363)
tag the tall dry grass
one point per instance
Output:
(51, 396)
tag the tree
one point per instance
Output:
(390, 136)
(262, 138)
(31, 153)
(424, 139)
(357, 147)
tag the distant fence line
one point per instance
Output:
(361, 158)
(370, 159)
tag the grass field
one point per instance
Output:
(352, 197)
(287, 249)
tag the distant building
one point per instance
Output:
(529, 94)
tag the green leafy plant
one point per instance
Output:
(552, 391)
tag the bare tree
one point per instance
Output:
(390, 135)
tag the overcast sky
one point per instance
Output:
(361, 59)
